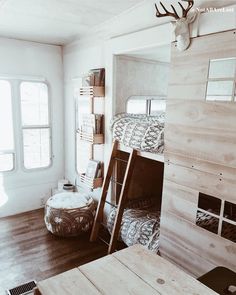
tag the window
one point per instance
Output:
(217, 216)
(7, 153)
(137, 106)
(146, 105)
(221, 80)
(35, 125)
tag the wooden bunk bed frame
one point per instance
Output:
(126, 188)
(147, 155)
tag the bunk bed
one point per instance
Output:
(141, 219)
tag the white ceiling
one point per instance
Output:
(56, 21)
(143, 16)
(61, 21)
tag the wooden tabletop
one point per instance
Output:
(134, 270)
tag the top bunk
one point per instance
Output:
(148, 155)
(141, 127)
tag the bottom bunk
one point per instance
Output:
(141, 217)
(138, 227)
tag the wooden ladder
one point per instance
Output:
(122, 199)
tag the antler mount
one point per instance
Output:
(174, 13)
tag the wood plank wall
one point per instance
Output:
(200, 156)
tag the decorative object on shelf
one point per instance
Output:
(92, 123)
(86, 81)
(61, 183)
(69, 214)
(92, 128)
(181, 24)
(93, 169)
(68, 187)
(92, 178)
(97, 77)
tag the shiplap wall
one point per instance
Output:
(200, 155)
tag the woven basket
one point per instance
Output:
(68, 220)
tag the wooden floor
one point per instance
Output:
(29, 252)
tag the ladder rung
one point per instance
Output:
(116, 182)
(108, 244)
(111, 204)
(121, 160)
(104, 241)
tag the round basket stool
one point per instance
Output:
(69, 214)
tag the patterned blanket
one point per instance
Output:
(141, 132)
(138, 227)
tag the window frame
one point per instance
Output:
(222, 79)
(13, 151)
(35, 127)
(77, 127)
(148, 100)
(220, 215)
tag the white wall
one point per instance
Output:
(21, 191)
(82, 55)
(138, 77)
(76, 64)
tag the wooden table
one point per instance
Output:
(134, 270)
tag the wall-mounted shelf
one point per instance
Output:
(90, 129)
(92, 138)
(94, 91)
(91, 183)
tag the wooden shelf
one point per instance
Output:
(92, 138)
(94, 91)
(91, 183)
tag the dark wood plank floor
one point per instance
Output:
(29, 252)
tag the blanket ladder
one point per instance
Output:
(122, 198)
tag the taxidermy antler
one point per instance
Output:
(181, 24)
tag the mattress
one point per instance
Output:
(138, 227)
(140, 132)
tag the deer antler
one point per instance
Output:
(167, 13)
(190, 5)
(175, 14)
